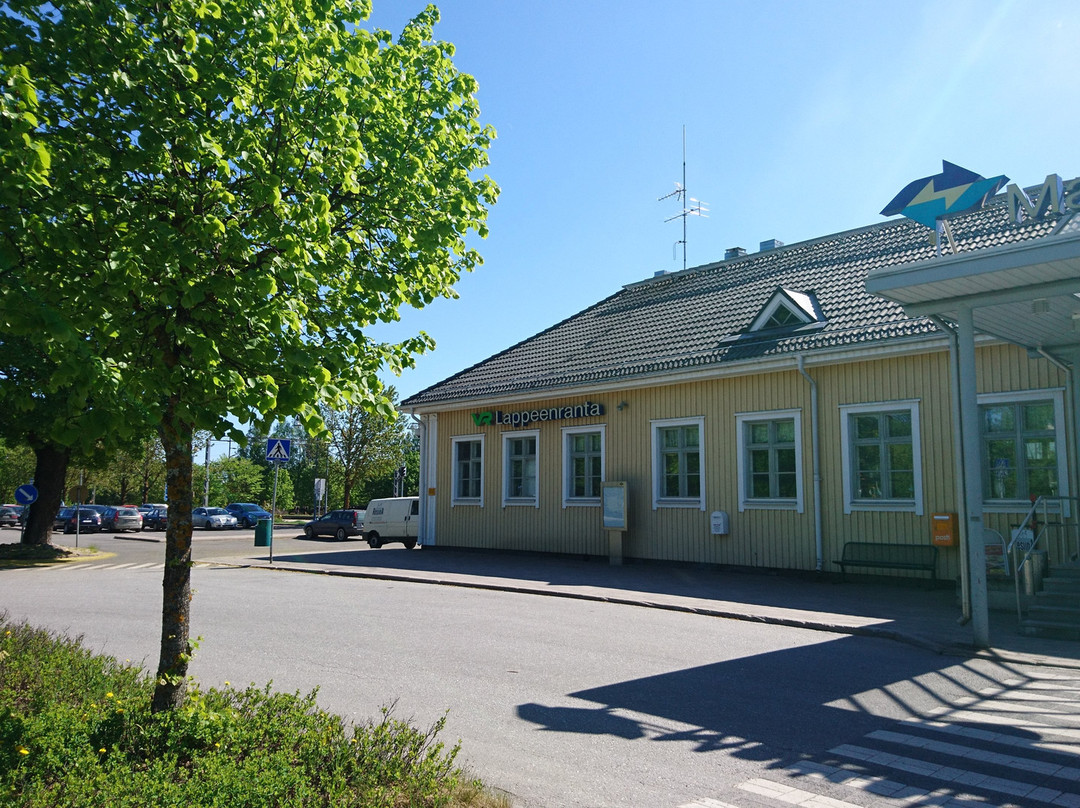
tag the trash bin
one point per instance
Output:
(1033, 572)
(262, 532)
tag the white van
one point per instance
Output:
(394, 519)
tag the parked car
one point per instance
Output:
(9, 516)
(121, 518)
(247, 513)
(87, 519)
(146, 507)
(393, 519)
(339, 524)
(156, 519)
(212, 518)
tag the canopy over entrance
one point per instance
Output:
(1026, 293)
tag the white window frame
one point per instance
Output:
(747, 502)
(568, 432)
(454, 498)
(507, 500)
(1055, 394)
(659, 501)
(847, 461)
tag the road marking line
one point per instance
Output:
(792, 795)
(971, 753)
(935, 771)
(1010, 721)
(892, 790)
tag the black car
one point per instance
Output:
(339, 524)
(89, 521)
(156, 519)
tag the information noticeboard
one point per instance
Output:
(613, 498)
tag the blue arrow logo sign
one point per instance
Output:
(277, 449)
(954, 190)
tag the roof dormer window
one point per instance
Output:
(787, 308)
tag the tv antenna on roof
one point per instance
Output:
(690, 205)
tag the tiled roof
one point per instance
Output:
(697, 319)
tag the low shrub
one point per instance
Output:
(76, 730)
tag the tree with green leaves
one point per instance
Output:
(239, 191)
(368, 444)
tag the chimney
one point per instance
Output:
(771, 244)
(733, 252)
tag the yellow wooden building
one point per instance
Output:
(765, 409)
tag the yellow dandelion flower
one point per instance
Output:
(22, 750)
(226, 683)
(102, 750)
(109, 695)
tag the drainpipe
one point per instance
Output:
(421, 529)
(815, 441)
(958, 469)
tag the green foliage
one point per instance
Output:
(76, 730)
(369, 446)
(16, 468)
(286, 496)
(236, 195)
(232, 479)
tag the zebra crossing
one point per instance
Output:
(77, 567)
(1016, 745)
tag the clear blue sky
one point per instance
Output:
(802, 119)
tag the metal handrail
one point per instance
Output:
(1031, 522)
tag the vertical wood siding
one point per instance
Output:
(782, 539)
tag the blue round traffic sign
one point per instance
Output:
(26, 494)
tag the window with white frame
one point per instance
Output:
(882, 456)
(468, 488)
(521, 468)
(769, 460)
(1022, 447)
(678, 467)
(583, 464)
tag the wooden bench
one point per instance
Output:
(889, 556)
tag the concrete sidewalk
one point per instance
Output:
(903, 611)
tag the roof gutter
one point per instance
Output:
(815, 440)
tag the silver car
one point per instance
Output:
(212, 518)
(121, 519)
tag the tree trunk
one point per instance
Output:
(50, 471)
(171, 689)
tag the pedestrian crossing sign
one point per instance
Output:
(277, 449)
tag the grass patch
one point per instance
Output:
(76, 730)
(16, 554)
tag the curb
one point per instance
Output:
(808, 623)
